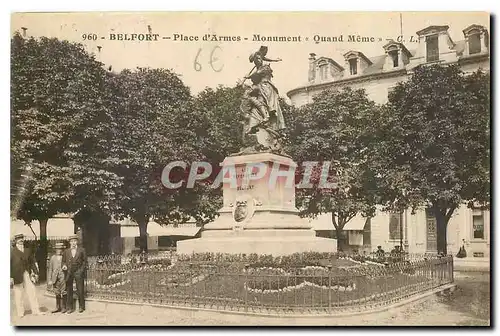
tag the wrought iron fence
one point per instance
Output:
(254, 284)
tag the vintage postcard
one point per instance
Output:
(250, 168)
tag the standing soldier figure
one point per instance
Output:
(57, 279)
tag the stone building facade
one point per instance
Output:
(378, 75)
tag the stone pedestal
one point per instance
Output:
(258, 213)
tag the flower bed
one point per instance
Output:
(176, 281)
(109, 285)
(298, 282)
(301, 284)
(267, 280)
(103, 273)
(255, 260)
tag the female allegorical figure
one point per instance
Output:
(263, 95)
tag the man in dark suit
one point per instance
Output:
(74, 263)
(23, 276)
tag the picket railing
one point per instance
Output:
(338, 283)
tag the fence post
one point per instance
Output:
(191, 284)
(329, 287)
(246, 286)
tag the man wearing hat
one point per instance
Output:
(23, 275)
(56, 279)
(74, 262)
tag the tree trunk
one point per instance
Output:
(104, 238)
(441, 228)
(82, 220)
(42, 249)
(101, 227)
(339, 226)
(143, 236)
(341, 244)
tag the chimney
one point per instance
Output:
(312, 67)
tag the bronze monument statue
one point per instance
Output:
(264, 120)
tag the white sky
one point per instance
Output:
(180, 56)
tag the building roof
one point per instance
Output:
(375, 68)
(431, 29)
(57, 228)
(129, 222)
(324, 223)
(328, 59)
(473, 26)
(460, 47)
(358, 54)
(400, 45)
(356, 224)
(156, 230)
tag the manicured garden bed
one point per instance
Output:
(292, 282)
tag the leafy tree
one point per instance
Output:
(61, 127)
(220, 135)
(158, 124)
(221, 131)
(433, 143)
(333, 129)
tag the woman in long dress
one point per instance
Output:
(265, 91)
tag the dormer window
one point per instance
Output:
(474, 43)
(353, 66)
(397, 56)
(476, 40)
(323, 71)
(356, 62)
(394, 54)
(432, 46)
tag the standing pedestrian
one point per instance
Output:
(57, 279)
(23, 276)
(74, 263)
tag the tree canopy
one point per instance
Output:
(156, 125)
(333, 129)
(433, 143)
(61, 125)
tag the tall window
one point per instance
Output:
(432, 48)
(323, 71)
(474, 43)
(395, 57)
(478, 224)
(395, 226)
(353, 66)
